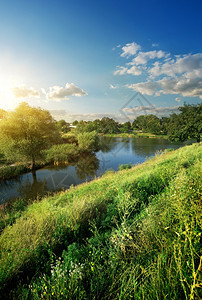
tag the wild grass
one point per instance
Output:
(62, 153)
(134, 234)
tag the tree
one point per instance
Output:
(75, 123)
(25, 132)
(125, 127)
(63, 126)
(82, 127)
(149, 123)
(165, 121)
(187, 124)
(88, 141)
(108, 125)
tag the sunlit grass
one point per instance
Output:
(131, 234)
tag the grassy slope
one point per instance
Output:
(135, 234)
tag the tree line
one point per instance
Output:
(28, 133)
(178, 126)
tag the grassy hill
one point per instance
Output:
(134, 234)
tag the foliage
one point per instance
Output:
(187, 124)
(27, 131)
(125, 166)
(82, 127)
(63, 126)
(70, 138)
(133, 234)
(147, 123)
(88, 141)
(7, 172)
(62, 153)
(126, 127)
(75, 123)
(108, 125)
(179, 127)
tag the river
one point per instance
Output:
(114, 152)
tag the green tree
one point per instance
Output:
(25, 132)
(125, 127)
(63, 126)
(88, 141)
(74, 123)
(139, 123)
(108, 125)
(187, 124)
(153, 124)
(165, 121)
(147, 123)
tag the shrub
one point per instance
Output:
(88, 141)
(62, 153)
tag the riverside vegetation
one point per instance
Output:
(133, 234)
(31, 138)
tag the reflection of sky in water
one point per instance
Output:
(115, 151)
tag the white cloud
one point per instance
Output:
(61, 93)
(161, 111)
(191, 65)
(155, 45)
(178, 74)
(184, 86)
(130, 49)
(22, 91)
(121, 71)
(145, 88)
(63, 114)
(135, 71)
(143, 57)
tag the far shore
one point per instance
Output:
(137, 135)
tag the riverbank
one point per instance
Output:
(136, 135)
(11, 171)
(133, 233)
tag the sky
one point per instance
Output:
(89, 59)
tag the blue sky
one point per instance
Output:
(86, 59)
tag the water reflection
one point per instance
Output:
(87, 165)
(114, 151)
(148, 147)
(32, 189)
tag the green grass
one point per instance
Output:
(137, 135)
(134, 234)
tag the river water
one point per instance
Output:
(114, 152)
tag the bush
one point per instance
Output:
(125, 166)
(62, 153)
(88, 141)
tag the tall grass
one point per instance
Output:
(134, 234)
(62, 153)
